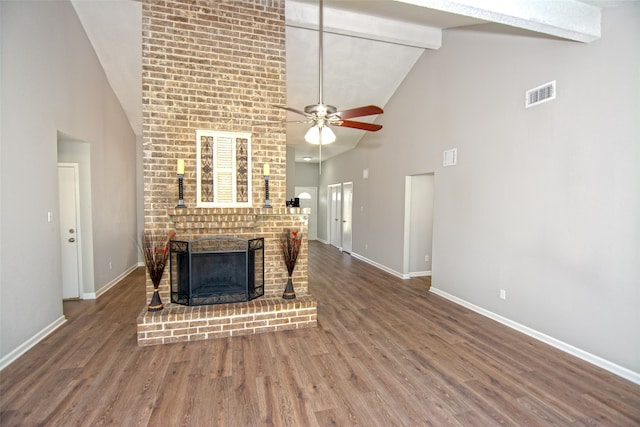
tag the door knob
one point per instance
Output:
(71, 240)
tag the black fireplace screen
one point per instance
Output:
(216, 270)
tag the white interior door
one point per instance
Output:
(347, 214)
(69, 236)
(309, 199)
(335, 215)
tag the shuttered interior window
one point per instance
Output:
(223, 169)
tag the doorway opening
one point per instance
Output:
(308, 197)
(74, 190)
(340, 215)
(418, 228)
(334, 215)
(347, 217)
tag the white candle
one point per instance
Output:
(266, 171)
(180, 166)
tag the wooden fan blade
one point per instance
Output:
(368, 110)
(298, 121)
(293, 110)
(371, 127)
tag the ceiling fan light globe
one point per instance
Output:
(313, 135)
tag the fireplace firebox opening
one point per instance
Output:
(216, 270)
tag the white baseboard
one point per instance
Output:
(25, 346)
(390, 271)
(114, 282)
(379, 266)
(420, 274)
(567, 348)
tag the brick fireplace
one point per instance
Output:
(218, 66)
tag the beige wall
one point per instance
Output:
(52, 82)
(544, 202)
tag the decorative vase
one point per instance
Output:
(289, 293)
(156, 251)
(290, 242)
(156, 302)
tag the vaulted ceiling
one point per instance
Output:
(369, 47)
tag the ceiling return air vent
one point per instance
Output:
(540, 94)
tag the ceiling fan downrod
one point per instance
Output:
(320, 110)
(321, 53)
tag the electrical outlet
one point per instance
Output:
(110, 265)
(426, 258)
(503, 294)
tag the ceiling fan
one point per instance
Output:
(322, 115)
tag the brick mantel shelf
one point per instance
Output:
(228, 218)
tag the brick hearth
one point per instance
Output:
(178, 323)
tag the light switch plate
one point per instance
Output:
(450, 157)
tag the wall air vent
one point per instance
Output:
(541, 94)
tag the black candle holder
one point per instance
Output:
(180, 193)
(267, 202)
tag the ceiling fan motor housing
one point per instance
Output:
(320, 110)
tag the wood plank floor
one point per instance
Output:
(386, 353)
